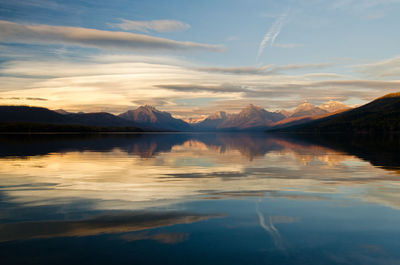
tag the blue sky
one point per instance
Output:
(196, 57)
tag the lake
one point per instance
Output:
(199, 198)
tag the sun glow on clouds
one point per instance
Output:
(115, 84)
(92, 60)
(121, 80)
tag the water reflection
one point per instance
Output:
(187, 190)
(380, 151)
(158, 169)
(269, 227)
(103, 224)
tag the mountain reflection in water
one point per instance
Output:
(185, 191)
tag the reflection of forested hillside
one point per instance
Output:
(380, 151)
(145, 145)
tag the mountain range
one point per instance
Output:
(250, 118)
(382, 114)
(24, 118)
(256, 118)
(150, 117)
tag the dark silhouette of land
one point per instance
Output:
(379, 116)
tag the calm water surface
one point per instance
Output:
(199, 199)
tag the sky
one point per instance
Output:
(193, 58)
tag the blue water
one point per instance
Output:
(198, 199)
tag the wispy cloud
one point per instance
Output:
(381, 69)
(46, 4)
(371, 9)
(46, 34)
(272, 34)
(245, 70)
(152, 25)
(313, 90)
(114, 83)
(287, 45)
(225, 88)
(264, 70)
(362, 4)
(372, 84)
(287, 67)
(18, 98)
(324, 75)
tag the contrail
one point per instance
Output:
(272, 33)
(271, 229)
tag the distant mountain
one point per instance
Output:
(194, 120)
(61, 111)
(310, 113)
(250, 118)
(213, 122)
(307, 109)
(35, 118)
(333, 106)
(100, 119)
(149, 116)
(288, 122)
(379, 116)
(30, 114)
(285, 113)
(41, 119)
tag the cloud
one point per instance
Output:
(157, 101)
(102, 39)
(45, 4)
(287, 45)
(116, 83)
(152, 25)
(249, 70)
(302, 66)
(371, 9)
(272, 34)
(317, 91)
(264, 70)
(373, 84)
(224, 88)
(18, 98)
(38, 99)
(232, 38)
(362, 4)
(324, 75)
(381, 69)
